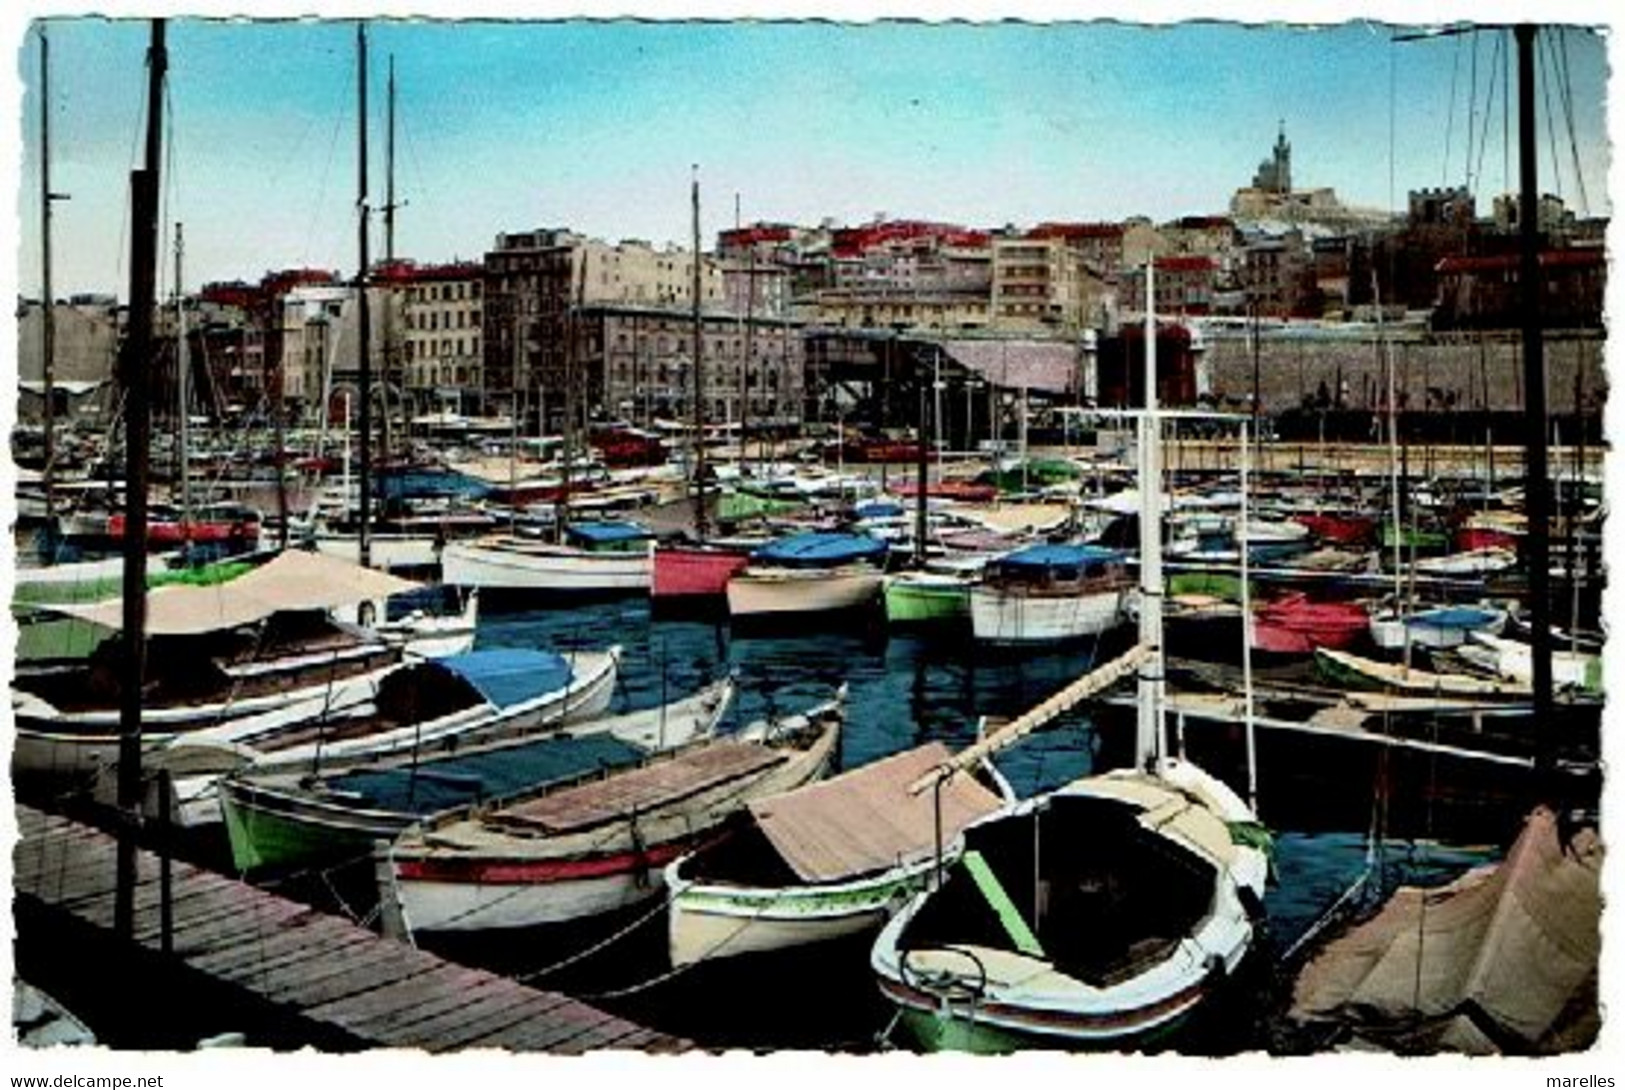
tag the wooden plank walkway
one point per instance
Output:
(310, 966)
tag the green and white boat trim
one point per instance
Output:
(826, 861)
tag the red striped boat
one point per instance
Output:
(601, 843)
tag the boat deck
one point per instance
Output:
(640, 790)
(338, 983)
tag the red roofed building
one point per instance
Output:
(1184, 282)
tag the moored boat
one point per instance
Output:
(691, 571)
(279, 818)
(478, 695)
(1477, 562)
(1048, 594)
(604, 557)
(808, 573)
(927, 597)
(583, 849)
(824, 861)
(260, 644)
(1294, 625)
(1100, 915)
(1443, 627)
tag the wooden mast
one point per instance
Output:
(1537, 505)
(698, 490)
(135, 366)
(364, 316)
(47, 307)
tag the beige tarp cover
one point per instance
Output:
(866, 820)
(1508, 956)
(289, 581)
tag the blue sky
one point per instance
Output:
(593, 125)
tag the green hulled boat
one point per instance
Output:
(925, 597)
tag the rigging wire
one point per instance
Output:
(316, 207)
(1566, 93)
(1545, 44)
(1489, 108)
(1450, 115)
(1472, 103)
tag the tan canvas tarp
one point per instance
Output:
(292, 580)
(866, 820)
(1505, 958)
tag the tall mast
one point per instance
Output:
(47, 307)
(1148, 738)
(571, 317)
(277, 409)
(389, 248)
(1537, 505)
(364, 340)
(182, 363)
(135, 374)
(699, 382)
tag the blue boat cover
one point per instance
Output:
(1455, 617)
(1035, 559)
(601, 533)
(444, 783)
(510, 675)
(879, 509)
(820, 550)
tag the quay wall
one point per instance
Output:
(1465, 374)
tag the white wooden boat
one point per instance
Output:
(481, 694)
(1434, 629)
(278, 818)
(386, 551)
(830, 859)
(1048, 594)
(580, 850)
(808, 573)
(1097, 916)
(1513, 659)
(760, 592)
(515, 563)
(1488, 561)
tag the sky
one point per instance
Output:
(595, 126)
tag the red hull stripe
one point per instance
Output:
(480, 872)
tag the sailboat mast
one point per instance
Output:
(1537, 505)
(363, 316)
(389, 248)
(699, 382)
(182, 364)
(47, 307)
(1148, 738)
(135, 366)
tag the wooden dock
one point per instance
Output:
(335, 983)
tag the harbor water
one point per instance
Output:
(903, 690)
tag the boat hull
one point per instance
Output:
(682, 572)
(538, 567)
(926, 599)
(765, 592)
(387, 551)
(999, 616)
(711, 921)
